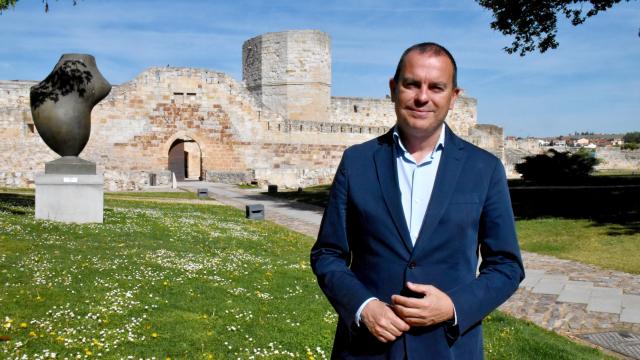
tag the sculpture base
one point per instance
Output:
(70, 198)
(70, 165)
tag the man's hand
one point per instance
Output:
(435, 307)
(382, 322)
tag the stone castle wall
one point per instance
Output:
(233, 132)
(610, 158)
(616, 159)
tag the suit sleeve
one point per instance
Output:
(501, 269)
(331, 256)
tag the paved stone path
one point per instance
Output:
(560, 295)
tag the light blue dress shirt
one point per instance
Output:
(416, 185)
(416, 182)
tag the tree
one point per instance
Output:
(556, 167)
(5, 4)
(534, 24)
(632, 137)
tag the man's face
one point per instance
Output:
(424, 93)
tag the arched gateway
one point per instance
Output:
(185, 159)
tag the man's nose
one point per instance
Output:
(422, 95)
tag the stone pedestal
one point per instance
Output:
(70, 198)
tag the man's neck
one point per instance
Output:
(420, 146)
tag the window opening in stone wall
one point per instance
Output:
(355, 108)
(191, 94)
(178, 93)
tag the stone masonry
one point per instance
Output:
(280, 126)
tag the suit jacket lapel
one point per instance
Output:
(446, 179)
(386, 167)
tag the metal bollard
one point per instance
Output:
(203, 193)
(255, 211)
(272, 189)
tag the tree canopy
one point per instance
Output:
(5, 4)
(534, 24)
(556, 167)
(632, 137)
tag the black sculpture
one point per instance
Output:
(61, 104)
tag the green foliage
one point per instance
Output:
(632, 137)
(534, 24)
(557, 167)
(5, 4)
(630, 146)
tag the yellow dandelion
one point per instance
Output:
(32, 334)
(165, 283)
(209, 333)
(154, 335)
(23, 325)
(88, 352)
(60, 338)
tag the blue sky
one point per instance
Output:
(590, 83)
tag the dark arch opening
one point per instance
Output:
(185, 160)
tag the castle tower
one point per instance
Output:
(290, 72)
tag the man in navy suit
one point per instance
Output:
(408, 214)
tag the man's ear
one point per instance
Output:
(392, 88)
(456, 92)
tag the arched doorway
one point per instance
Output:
(185, 159)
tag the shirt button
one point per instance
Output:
(412, 265)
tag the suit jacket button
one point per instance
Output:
(412, 265)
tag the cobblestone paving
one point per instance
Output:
(561, 295)
(572, 317)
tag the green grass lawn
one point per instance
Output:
(609, 246)
(182, 281)
(153, 195)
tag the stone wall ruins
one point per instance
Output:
(230, 131)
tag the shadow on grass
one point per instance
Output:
(318, 196)
(604, 205)
(15, 203)
(607, 201)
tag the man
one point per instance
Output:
(408, 213)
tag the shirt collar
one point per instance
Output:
(403, 151)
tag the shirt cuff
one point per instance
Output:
(455, 316)
(359, 312)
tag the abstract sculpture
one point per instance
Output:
(69, 190)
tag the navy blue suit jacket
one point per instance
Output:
(364, 248)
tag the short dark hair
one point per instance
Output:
(427, 48)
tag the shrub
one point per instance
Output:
(554, 167)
